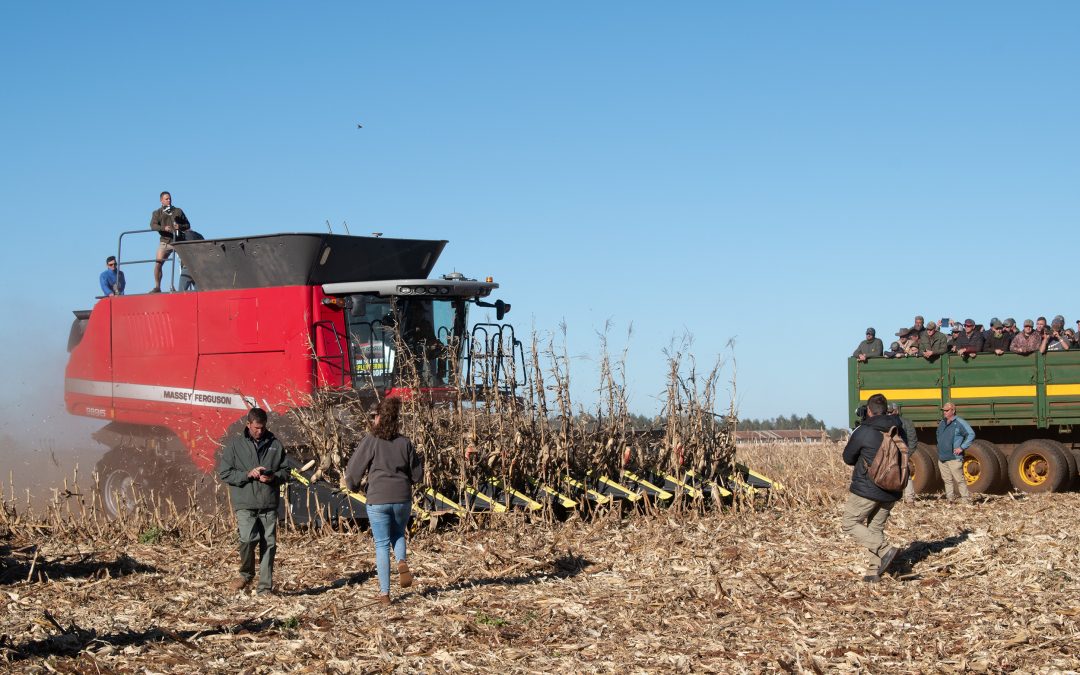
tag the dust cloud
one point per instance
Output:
(40, 443)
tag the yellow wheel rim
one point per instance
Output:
(1033, 469)
(972, 469)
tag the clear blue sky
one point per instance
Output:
(784, 174)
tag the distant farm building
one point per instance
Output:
(782, 436)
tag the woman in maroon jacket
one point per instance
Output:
(392, 466)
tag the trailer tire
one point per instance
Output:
(985, 468)
(925, 477)
(1039, 465)
(1076, 460)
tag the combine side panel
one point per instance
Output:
(155, 350)
(88, 377)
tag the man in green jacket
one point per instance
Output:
(253, 465)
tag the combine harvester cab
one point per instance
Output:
(1025, 410)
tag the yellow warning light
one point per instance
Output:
(490, 279)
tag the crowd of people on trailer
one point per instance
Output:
(929, 340)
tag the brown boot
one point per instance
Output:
(238, 584)
(383, 599)
(405, 577)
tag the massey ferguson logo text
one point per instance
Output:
(191, 397)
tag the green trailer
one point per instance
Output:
(1025, 410)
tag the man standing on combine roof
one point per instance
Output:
(868, 506)
(954, 436)
(871, 346)
(171, 222)
(253, 466)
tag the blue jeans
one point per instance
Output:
(388, 523)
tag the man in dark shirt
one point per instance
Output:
(999, 341)
(868, 506)
(970, 342)
(171, 222)
(871, 346)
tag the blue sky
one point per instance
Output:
(780, 174)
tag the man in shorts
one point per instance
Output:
(171, 223)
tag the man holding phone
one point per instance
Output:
(253, 466)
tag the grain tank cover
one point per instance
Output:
(305, 260)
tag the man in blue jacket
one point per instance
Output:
(868, 506)
(954, 436)
(112, 279)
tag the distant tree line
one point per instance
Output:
(785, 423)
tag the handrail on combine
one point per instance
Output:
(120, 260)
(496, 340)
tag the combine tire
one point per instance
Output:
(925, 477)
(985, 468)
(1039, 465)
(118, 476)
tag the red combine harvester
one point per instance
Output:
(275, 321)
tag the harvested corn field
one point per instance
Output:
(988, 588)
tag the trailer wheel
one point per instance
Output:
(925, 477)
(1076, 460)
(985, 468)
(1070, 459)
(1039, 465)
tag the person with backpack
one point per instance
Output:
(877, 453)
(912, 446)
(954, 436)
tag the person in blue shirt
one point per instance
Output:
(111, 280)
(954, 436)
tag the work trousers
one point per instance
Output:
(864, 519)
(258, 528)
(952, 472)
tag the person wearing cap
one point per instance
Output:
(999, 341)
(1026, 341)
(907, 344)
(954, 436)
(1057, 340)
(932, 344)
(1009, 327)
(871, 346)
(954, 334)
(868, 505)
(970, 342)
(912, 445)
(986, 333)
(112, 279)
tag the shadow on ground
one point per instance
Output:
(72, 640)
(26, 564)
(918, 551)
(563, 567)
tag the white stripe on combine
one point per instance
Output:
(155, 393)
